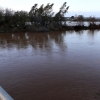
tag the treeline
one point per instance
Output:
(37, 19)
(82, 18)
(83, 23)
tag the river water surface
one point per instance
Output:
(51, 66)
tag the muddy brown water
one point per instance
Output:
(51, 66)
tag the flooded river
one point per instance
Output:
(51, 66)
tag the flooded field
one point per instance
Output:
(51, 66)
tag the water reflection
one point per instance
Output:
(53, 65)
(36, 40)
(41, 41)
(92, 33)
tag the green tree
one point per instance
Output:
(33, 14)
(46, 13)
(72, 17)
(92, 20)
(80, 20)
(59, 17)
(1, 16)
(20, 18)
(41, 15)
(8, 17)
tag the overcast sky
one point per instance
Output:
(84, 7)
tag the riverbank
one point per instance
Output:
(30, 28)
(82, 27)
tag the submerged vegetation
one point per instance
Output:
(42, 19)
